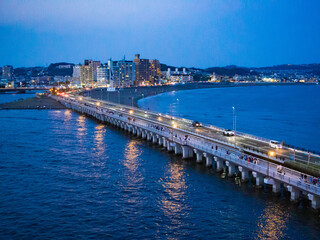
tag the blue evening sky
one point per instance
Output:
(177, 32)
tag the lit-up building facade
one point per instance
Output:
(147, 71)
(121, 73)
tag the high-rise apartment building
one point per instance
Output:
(88, 72)
(7, 73)
(121, 73)
(76, 74)
(103, 75)
(147, 71)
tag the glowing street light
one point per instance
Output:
(131, 111)
(98, 103)
(80, 98)
(271, 153)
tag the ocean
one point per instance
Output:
(66, 176)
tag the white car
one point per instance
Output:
(228, 132)
(275, 144)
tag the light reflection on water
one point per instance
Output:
(272, 222)
(99, 143)
(173, 201)
(81, 127)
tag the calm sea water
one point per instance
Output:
(285, 113)
(10, 97)
(65, 176)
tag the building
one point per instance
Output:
(121, 73)
(179, 76)
(88, 73)
(147, 71)
(76, 74)
(7, 73)
(103, 78)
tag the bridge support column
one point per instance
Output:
(169, 146)
(276, 187)
(209, 158)
(177, 149)
(139, 132)
(259, 179)
(160, 141)
(219, 164)
(154, 138)
(199, 155)
(149, 136)
(294, 193)
(231, 169)
(244, 174)
(315, 201)
(186, 152)
(164, 142)
(143, 134)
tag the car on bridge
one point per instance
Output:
(228, 132)
(275, 144)
(196, 124)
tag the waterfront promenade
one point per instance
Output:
(206, 144)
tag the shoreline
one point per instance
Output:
(128, 96)
(38, 103)
(131, 96)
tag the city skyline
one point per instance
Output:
(179, 33)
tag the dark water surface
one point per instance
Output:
(65, 176)
(285, 113)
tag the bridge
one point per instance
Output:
(241, 154)
(21, 89)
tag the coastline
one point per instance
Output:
(131, 96)
(126, 96)
(40, 103)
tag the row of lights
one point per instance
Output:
(174, 125)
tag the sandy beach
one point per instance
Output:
(42, 102)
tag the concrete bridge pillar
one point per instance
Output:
(177, 149)
(149, 136)
(259, 179)
(209, 159)
(186, 152)
(154, 138)
(134, 131)
(169, 146)
(315, 201)
(244, 174)
(231, 168)
(164, 142)
(219, 164)
(199, 155)
(294, 193)
(275, 186)
(160, 141)
(139, 132)
(143, 134)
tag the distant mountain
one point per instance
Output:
(230, 70)
(60, 69)
(313, 67)
(28, 71)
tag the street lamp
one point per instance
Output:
(234, 124)
(178, 106)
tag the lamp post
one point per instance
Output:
(178, 106)
(234, 124)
